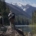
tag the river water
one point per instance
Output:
(24, 28)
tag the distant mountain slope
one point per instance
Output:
(28, 9)
(18, 11)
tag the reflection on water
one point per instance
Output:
(24, 28)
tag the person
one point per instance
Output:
(11, 17)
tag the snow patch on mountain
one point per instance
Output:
(24, 9)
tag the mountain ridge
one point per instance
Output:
(19, 10)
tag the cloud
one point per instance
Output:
(27, 2)
(23, 2)
(34, 5)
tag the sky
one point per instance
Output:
(24, 2)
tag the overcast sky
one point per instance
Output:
(24, 2)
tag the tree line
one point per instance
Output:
(34, 17)
(4, 10)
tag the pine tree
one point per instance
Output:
(23, 23)
(4, 10)
(34, 17)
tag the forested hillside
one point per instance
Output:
(19, 20)
(4, 10)
(34, 17)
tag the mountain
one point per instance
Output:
(28, 9)
(19, 10)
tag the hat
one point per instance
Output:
(11, 15)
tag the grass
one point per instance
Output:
(33, 24)
(33, 28)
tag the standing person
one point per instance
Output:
(11, 17)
